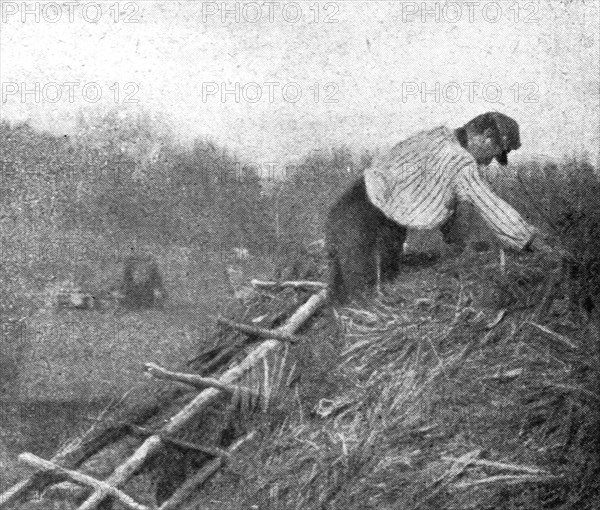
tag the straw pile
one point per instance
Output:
(461, 388)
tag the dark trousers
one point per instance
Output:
(359, 236)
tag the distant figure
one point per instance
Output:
(142, 285)
(420, 184)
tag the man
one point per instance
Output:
(419, 184)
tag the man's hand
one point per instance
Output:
(539, 244)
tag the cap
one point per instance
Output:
(506, 128)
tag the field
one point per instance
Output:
(467, 383)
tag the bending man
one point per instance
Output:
(418, 184)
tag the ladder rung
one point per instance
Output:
(195, 380)
(76, 476)
(215, 451)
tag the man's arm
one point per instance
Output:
(506, 223)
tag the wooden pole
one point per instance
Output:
(100, 486)
(299, 284)
(193, 482)
(153, 444)
(72, 454)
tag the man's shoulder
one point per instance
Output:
(439, 133)
(425, 144)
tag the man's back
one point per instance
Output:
(414, 183)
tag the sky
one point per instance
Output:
(276, 80)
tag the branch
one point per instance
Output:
(297, 284)
(102, 487)
(552, 335)
(257, 331)
(510, 479)
(72, 454)
(499, 465)
(197, 381)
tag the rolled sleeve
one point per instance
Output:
(506, 223)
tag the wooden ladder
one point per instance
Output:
(101, 489)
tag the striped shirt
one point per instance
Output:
(419, 182)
